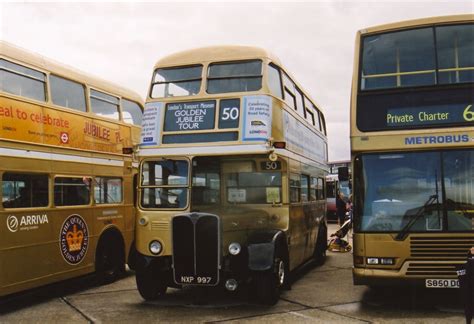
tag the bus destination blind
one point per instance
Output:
(189, 116)
(430, 115)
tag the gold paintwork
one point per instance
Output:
(30, 256)
(240, 221)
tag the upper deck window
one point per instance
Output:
(181, 81)
(22, 81)
(234, 77)
(104, 105)
(67, 93)
(418, 57)
(274, 81)
(399, 59)
(455, 48)
(131, 112)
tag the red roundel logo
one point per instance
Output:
(74, 239)
(64, 137)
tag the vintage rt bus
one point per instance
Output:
(233, 158)
(66, 172)
(412, 142)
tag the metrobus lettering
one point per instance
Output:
(418, 140)
(97, 131)
(34, 220)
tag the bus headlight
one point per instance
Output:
(387, 261)
(382, 261)
(234, 248)
(155, 247)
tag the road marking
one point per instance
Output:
(302, 315)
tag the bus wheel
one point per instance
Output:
(110, 262)
(269, 283)
(319, 255)
(151, 285)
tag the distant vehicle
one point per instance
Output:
(231, 175)
(332, 189)
(412, 136)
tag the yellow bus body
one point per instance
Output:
(297, 146)
(426, 257)
(55, 147)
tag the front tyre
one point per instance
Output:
(269, 283)
(151, 285)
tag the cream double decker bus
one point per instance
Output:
(412, 140)
(233, 158)
(66, 172)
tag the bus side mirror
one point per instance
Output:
(343, 173)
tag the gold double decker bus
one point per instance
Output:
(66, 172)
(233, 158)
(412, 140)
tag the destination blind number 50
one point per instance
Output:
(231, 113)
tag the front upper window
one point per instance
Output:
(176, 81)
(234, 77)
(418, 57)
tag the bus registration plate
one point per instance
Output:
(442, 283)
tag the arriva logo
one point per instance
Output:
(12, 223)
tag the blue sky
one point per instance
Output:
(122, 41)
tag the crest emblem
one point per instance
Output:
(74, 239)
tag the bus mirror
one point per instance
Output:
(343, 173)
(273, 157)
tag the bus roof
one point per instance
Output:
(222, 53)
(418, 22)
(36, 60)
(216, 53)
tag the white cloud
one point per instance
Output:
(122, 41)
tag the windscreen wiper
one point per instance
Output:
(404, 231)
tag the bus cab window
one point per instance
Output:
(166, 184)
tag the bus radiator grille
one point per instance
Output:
(435, 247)
(196, 249)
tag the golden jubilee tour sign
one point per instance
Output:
(36, 124)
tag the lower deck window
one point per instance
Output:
(24, 190)
(71, 191)
(108, 190)
(254, 187)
